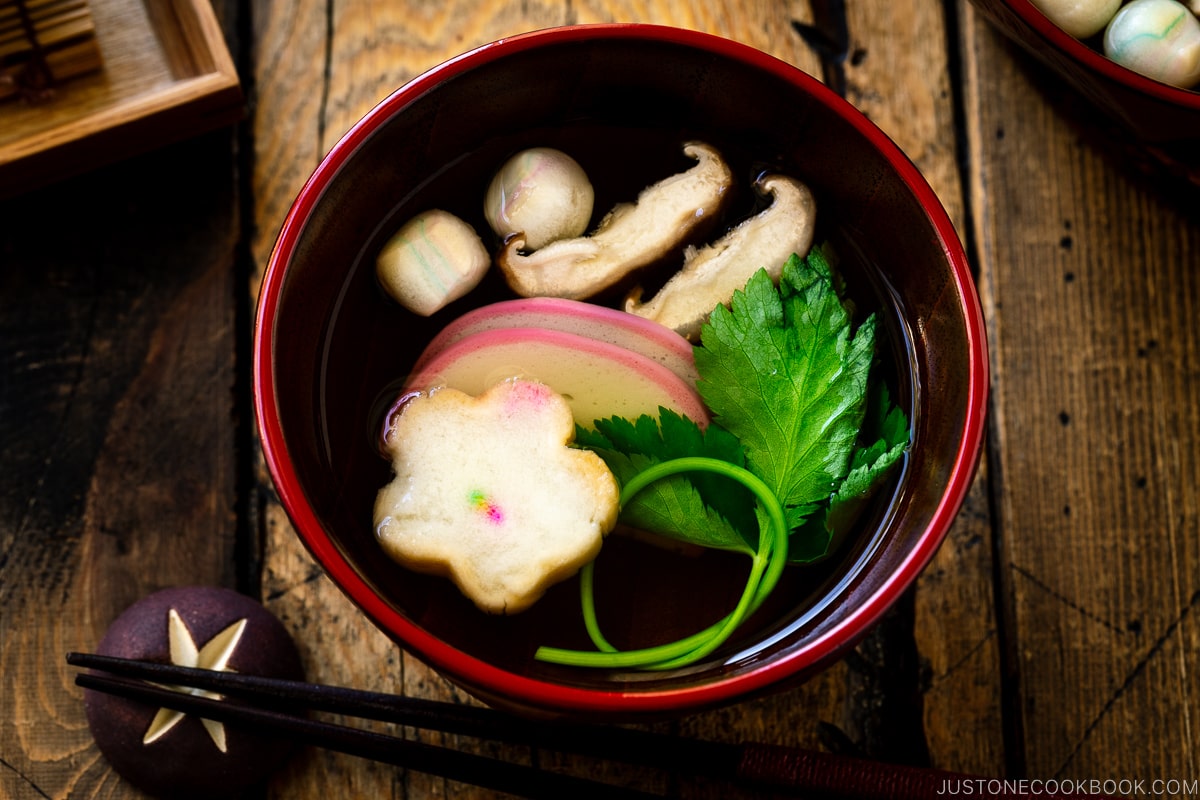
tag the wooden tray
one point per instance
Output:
(167, 75)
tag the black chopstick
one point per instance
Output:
(632, 746)
(491, 773)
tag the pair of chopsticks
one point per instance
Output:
(276, 701)
(775, 770)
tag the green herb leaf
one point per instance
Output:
(703, 509)
(784, 371)
(869, 468)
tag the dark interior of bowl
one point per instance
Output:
(622, 107)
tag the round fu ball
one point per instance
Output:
(169, 754)
(1158, 38)
(542, 194)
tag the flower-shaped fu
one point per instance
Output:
(213, 655)
(488, 492)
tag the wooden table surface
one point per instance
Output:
(1053, 638)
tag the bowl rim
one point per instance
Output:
(480, 676)
(1058, 38)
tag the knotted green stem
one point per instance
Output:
(766, 567)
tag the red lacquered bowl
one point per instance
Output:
(330, 350)
(1154, 112)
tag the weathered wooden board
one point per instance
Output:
(117, 430)
(1091, 275)
(1053, 635)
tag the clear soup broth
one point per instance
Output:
(645, 594)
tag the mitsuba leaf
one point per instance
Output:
(824, 530)
(699, 508)
(785, 372)
(673, 508)
(869, 468)
(872, 464)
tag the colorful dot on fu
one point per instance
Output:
(479, 501)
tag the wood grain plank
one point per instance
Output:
(118, 414)
(1096, 427)
(289, 65)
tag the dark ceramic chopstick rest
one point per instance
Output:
(165, 752)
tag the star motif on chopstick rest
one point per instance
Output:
(214, 655)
